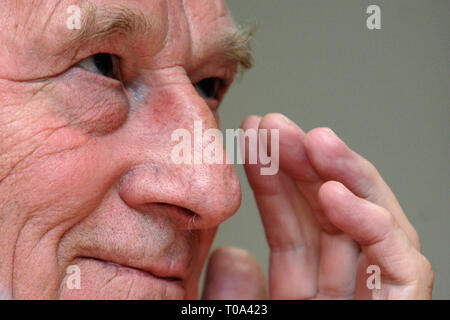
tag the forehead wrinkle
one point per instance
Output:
(50, 15)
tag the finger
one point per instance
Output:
(384, 243)
(291, 231)
(271, 194)
(334, 160)
(234, 274)
(295, 163)
(274, 195)
(339, 256)
(261, 184)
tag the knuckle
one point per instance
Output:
(415, 240)
(427, 269)
(386, 218)
(367, 168)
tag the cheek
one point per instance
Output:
(73, 178)
(55, 170)
(52, 195)
(59, 152)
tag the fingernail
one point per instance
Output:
(331, 131)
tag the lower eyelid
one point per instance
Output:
(213, 104)
(97, 105)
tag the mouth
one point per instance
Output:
(124, 269)
(109, 279)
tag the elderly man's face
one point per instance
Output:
(86, 118)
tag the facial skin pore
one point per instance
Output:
(85, 171)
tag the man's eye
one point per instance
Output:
(105, 64)
(209, 88)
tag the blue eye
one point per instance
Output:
(209, 88)
(106, 64)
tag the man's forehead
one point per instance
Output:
(41, 27)
(207, 9)
(41, 16)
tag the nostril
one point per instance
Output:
(179, 210)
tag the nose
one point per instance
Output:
(209, 193)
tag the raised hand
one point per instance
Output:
(328, 215)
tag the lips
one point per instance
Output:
(174, 272)
(164, 269)
(151, 272)
(102, 279)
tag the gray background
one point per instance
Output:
(385, 92)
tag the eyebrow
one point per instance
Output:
(114, 20)
(111, 21)
(236, 47)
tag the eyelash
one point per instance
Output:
(103, 61)
(209, 89)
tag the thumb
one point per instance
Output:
(234, 274)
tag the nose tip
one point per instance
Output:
(211, 193)
(219, 195)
